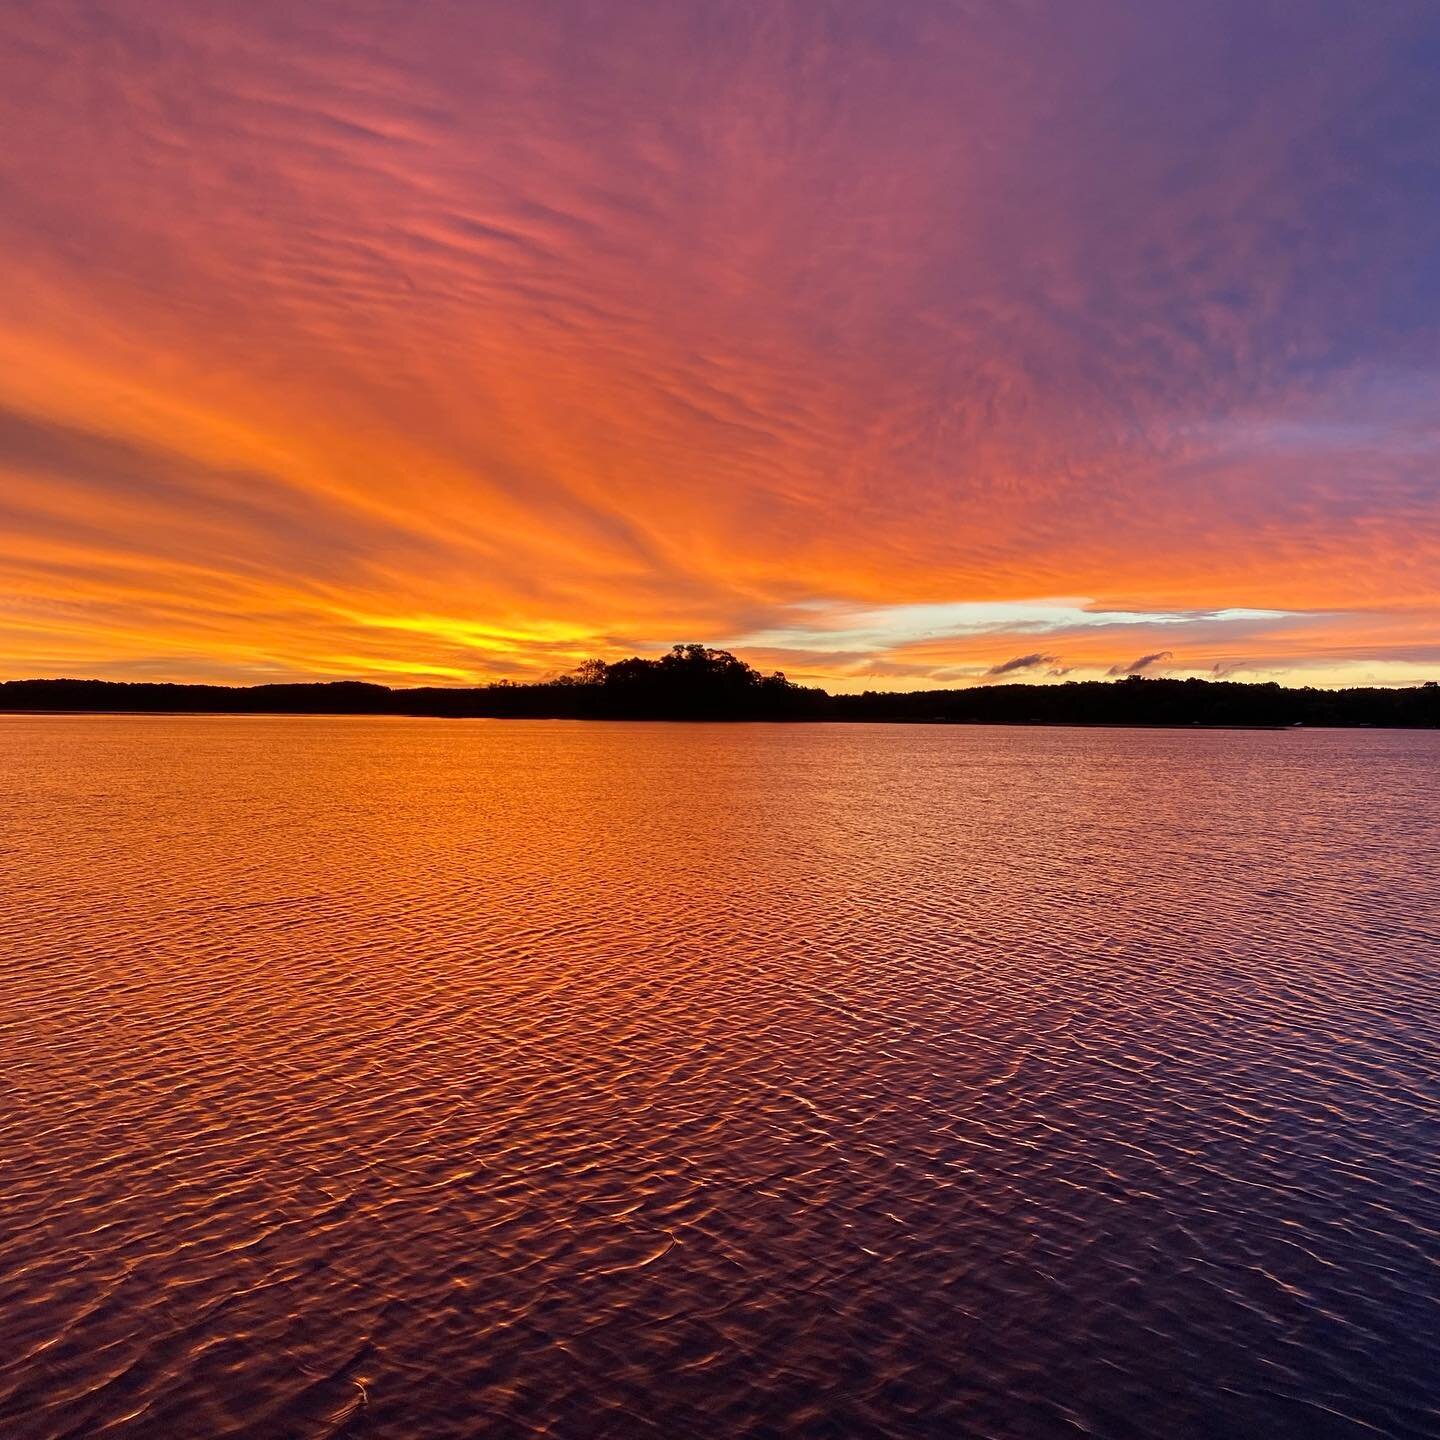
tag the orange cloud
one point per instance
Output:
(466, 341)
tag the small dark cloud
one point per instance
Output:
(1022, 662)
(1140, 665)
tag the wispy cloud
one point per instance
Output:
(468, 338)
(1022, 662)
(1141, 664)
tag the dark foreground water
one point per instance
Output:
(425, 1079)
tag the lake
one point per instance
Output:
(413, 1078)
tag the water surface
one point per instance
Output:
(407, 1078)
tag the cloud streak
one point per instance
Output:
(1021, 662)
(1141, 664)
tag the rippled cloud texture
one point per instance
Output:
(892, 344)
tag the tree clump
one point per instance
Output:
(696, 682)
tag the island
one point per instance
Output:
(697, 682)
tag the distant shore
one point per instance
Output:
(693, 683)
(709, 720)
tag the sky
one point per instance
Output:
(890, 343)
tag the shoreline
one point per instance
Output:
(694, 685)
(940, 723)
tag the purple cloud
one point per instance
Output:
(1141, 665)
(1023, 662)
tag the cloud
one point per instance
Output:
(1023, 662)
(1141, 665)
(474, 338)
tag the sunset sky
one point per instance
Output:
(887, 342)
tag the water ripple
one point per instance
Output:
(394, 1078)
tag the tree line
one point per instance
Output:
(696, 682)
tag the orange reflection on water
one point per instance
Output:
(520, 1077)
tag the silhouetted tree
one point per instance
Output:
(696, 682)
